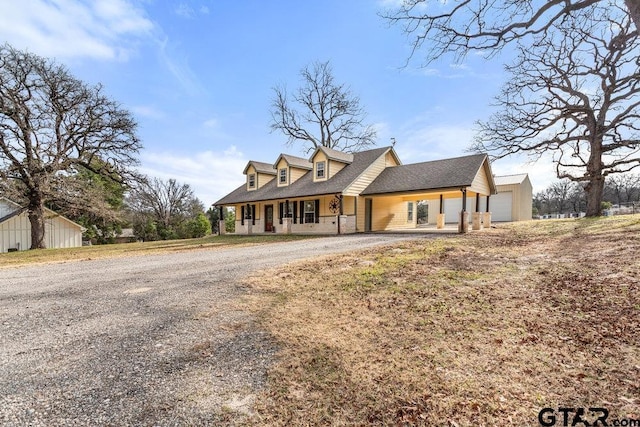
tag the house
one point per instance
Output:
(513, 201)
(335, 192)
(15, 228)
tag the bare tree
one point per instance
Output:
(321, 113)
(623, 188)
(460, 26)
(576, 96)
(51, 122)
(167, 204)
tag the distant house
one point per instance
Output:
(336, 192)
(15, 228)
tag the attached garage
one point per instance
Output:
(501, 206)
(514, 200)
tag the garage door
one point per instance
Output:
(452, 208)
(500, 206)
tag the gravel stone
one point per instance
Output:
(152, 340)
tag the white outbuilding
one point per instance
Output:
(15, 228)
(514, 201)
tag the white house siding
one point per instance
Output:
(15, 233)
(59, 233)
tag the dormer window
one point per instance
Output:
(320, 169)
(252, 180)
(283, 176)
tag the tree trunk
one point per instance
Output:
(634, 11)
(594, 195)
(36, 218)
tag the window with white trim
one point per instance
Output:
(409, 211)
(283, 176)
(320, 169)
(252, 180)
(309, 211)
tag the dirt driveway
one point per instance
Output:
(147, 340)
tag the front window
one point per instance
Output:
(320, 170)
(309, 211)
(283, 176)
(410, 211)
(288, 210)
(252, 180)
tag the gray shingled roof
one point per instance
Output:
(438, 174)
(336, 155)
(304, 186)
(261, 167)
(297, 162)
(12, 214)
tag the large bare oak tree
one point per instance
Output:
(51, 124)
(165, 205)
(574, 94)
(321, 113)
(459, 26)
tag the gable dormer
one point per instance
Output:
(327, 162)
(290, 168)
(258, 174)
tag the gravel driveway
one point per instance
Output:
(146, 340)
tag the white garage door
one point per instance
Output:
(500, 206)
(452, 208)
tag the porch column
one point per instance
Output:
(221, 224)
(463, 225)
(476, 217)
(342, 219)
(486, 217)
(440, 219)
(248, 219)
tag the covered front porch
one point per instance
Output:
(406, 211)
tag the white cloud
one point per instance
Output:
(147, 111)
(542, 172)
(211, 123)
(104, 29)
(179, 68)
(185, 11)
(210, 174)
(433, 142)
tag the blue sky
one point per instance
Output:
(198, 77)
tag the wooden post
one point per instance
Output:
(463, 226)
(440, 218)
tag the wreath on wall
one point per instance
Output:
(334, 205)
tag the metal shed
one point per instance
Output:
(15, 228)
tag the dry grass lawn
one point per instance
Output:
(482, 329)
(14, 259)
